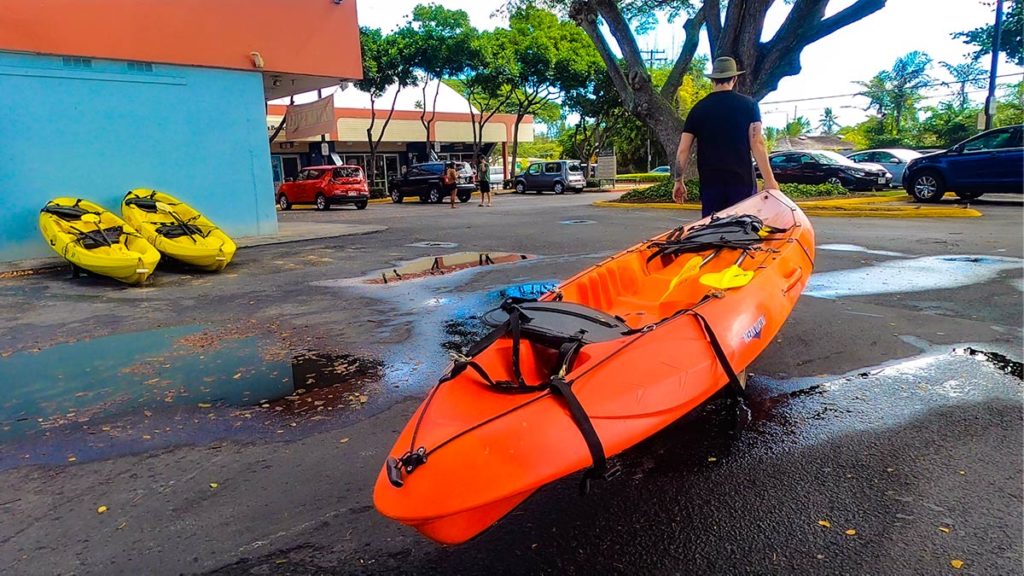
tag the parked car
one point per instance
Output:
(554, 175)
(325, 186)
(423, 181)
(992, 161)
(892, 159)
(662, 170)
(826, 167)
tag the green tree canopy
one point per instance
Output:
(1011, 38)
(895, 93)
(733, 29)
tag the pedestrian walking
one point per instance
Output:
(450, 180)
(483, 176)
(726, 126)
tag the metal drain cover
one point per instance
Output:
(577, 222)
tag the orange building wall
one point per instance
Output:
(309, 37)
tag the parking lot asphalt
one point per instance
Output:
(881, 432)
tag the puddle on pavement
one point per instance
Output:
(783, 415)
(856, 248)
(194, 382)
(910, 275)
(999, 361)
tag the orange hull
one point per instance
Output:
(516, 443)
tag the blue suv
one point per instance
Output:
(992, 161)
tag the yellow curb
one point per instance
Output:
(866, 207)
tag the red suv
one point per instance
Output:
(325, 186)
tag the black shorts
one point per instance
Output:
(715, 198)
(485, 187)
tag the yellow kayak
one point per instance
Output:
(97, 240)
(177, 230)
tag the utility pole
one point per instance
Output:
(990, 101)
(651, 60)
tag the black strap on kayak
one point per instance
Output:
(734, 380)
(737, 231)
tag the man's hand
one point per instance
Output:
(679, 192)
(770, 183)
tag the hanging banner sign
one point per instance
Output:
(309, 120)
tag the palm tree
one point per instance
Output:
(829, 124)
(895, 93)
(968, 74)
(797, 127)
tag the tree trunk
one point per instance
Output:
(371, 170)
(515, 142)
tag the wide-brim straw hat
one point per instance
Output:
(724, 67)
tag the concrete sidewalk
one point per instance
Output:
(286, 232)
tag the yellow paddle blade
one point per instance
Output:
(90, 218)
(691, 268)
(164, 207)
(731, 277)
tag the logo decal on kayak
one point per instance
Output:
(755, 330)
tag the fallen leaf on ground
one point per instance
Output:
(343, 440)
(958, 564)
(851, 532)
(712, 459)
(944, 529)
(824, 523)
(204, 405)
(122, 525)
(101, 509)
(214, 485)
(72, 458)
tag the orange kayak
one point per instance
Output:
(607, 359)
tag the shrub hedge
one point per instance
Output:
(662, 192)
(645, 177)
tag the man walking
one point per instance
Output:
(483, 177)
(727, 128)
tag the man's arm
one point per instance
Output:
(760, 150)
(682, 160)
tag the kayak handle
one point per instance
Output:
(793, 279)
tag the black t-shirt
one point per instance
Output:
(721, 124)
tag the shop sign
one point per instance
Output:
(307, 120)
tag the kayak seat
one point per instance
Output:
(554, 323)
(66, 213)
(93, 239)
(144, 204)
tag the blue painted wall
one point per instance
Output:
(99, 128)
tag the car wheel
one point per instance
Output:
(396, 197)
(464, 197)
(434, 196)
(835, 181)
(321, 202)
(969, 195)
(559, 188)
(283, 202)
(520, 188)
(927, 187)
(362, 205)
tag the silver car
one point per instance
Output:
(894, 160)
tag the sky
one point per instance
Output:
(830, 66)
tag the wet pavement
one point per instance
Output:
(234, 423)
